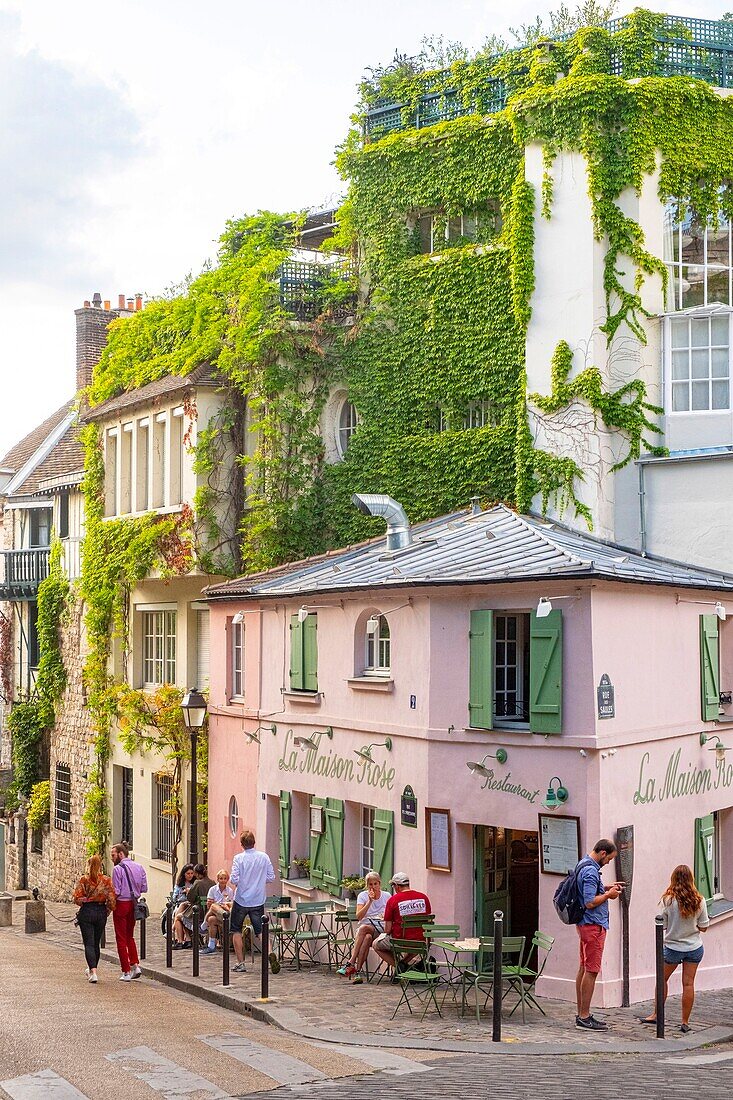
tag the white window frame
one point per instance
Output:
(162, 824)
(344, 431)
(674, 267)
(233, 816)
(158, 633)
(505, 721)
(367, 839)
(378, 648)
(689, 317)
(237, 643)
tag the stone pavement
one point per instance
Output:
(320, 1005)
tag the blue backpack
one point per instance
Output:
(567, 900)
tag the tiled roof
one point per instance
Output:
(18, 455)
(495, 546)
(53, 459)
(203, 375)
(66, 458)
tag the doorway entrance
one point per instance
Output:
(507, 878)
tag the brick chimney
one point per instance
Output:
(91, 332)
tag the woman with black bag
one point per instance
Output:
(95, 896)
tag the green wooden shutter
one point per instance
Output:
(318, 850)
(286, 800)
(709, 668)
(334, 872)
(545, 673)
(296, 654)
(704, 856)
(310, 653)
(384, 845)
(481, 670)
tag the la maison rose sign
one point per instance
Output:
(331, 765)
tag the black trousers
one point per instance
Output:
(92, 918)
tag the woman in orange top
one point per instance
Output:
(95, 896)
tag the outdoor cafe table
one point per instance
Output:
(451, 950)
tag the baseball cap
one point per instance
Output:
(400, 879)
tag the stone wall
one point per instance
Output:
(55, 869)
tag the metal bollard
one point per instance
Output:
(195, 939)
(143, 938)
(169, 935)
(225, 949)
(659, 958)
(496, 986)
(265, 946)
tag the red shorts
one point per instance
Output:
(592, 938)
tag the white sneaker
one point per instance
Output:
(136, 972)
(126, 977)
(93, 979)
(86, 971)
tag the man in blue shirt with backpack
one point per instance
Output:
(592, 927)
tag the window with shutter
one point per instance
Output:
(304, 653)
(318, 851)
(384, 844)
(545, 673)
(481, 667)
(286, 801)
(709, 668)
(705, 856)
(202, 650)
(296, 654)
(334, 872)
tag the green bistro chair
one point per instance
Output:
(282, 938)
(526, 977)
(481, 980)
(312, 932)
(417, 983)
(342, 937)
(440, 938)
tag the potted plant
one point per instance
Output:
(351, 885)
(301, 866)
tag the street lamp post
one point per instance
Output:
(193, 706)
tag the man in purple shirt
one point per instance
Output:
(130, 881)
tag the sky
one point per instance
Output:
(131, 133)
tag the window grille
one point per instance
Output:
(126, 823)
(62, 798)
(163, 820)
(511, 668)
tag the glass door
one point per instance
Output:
(492, 876)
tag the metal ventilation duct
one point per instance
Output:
(399, 534)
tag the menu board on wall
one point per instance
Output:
(559, 843)
(437, 840)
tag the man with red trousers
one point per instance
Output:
(130, 881)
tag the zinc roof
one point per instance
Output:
(494, 546)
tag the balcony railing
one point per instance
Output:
(309, 289)
(21, 571)
(707, 55)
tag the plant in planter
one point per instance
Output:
(302, 867)
(351, 885)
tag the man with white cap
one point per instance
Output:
(403, 903)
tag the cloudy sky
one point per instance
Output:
(130, 133)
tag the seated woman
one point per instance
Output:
(218, 902)
(370, 906)
(181, 928)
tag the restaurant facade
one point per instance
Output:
(476, 701)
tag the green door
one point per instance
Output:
(492, 877)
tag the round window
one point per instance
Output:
(233, 816)
(348, 421)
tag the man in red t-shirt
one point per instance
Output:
(403, 903)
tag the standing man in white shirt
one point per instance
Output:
(251, 871)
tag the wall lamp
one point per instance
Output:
(305, 610)
(718, 748)
(253, 735)
(238, 617)
(310, 742)
(480, 768)
(372, 625)
(715, 604)
(544, 607)
(366, 752)
(556, 796)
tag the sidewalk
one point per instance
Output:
(316, 1004)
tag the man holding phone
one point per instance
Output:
(593, 927)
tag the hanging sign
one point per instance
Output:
(606, 703)
(408, 808)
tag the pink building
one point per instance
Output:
(525, 690)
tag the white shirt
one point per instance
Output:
(376, 909)
(251, 871)
(220, 897)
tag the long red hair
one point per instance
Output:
(682, 888)
(94, 868)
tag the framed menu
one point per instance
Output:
(559, 843)
(437, 840)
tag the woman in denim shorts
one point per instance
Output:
(685, 916)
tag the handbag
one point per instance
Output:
(140, 906)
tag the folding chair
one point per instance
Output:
(281, 937)
(416, 985)
(311, 932)
(342, 937)
(526, 976)
(481, 980)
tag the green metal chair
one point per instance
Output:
(342, 936)
(281, 937)
(312, 932)
(481, 979)
(412, 971)
(441, 937)
(526, 976)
